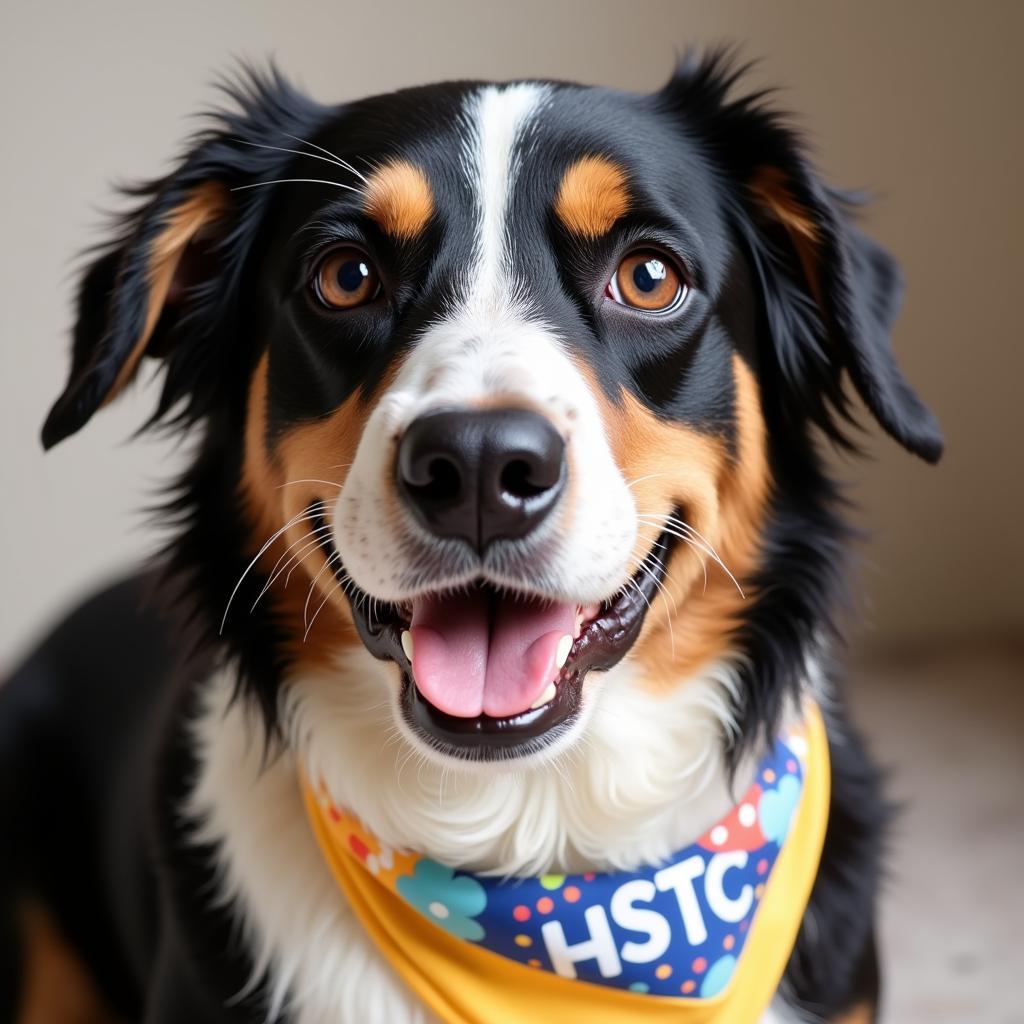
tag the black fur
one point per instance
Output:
(158, 945)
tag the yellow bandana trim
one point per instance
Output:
(465, 984)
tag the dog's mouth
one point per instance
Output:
(492, 673)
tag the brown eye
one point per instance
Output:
(648, 281)
(347, 278)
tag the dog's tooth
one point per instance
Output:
(564, 647)
(546, 697)
(407, 643)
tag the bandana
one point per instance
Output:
(701, 938)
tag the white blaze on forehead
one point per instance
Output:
(490, 340)
(499, 118)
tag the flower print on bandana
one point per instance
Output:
(777, 808)
(449, 900)
(677, 928)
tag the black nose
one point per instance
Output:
(481, 476)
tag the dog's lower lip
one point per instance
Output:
(603, 640)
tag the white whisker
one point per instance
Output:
(636, 586)
(310, 480)
(303, 515)
(323, 568)
(338, 585)
(296, 181)
(334, 161)
(334, 156)
(318, 543)
(668, 615)
(688, 542)
(700, 543)
(641, 479)
(278, 568)
(690, 539)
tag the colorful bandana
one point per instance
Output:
(682, 930)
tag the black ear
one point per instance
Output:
(876, 292)
(830, 294)
(856, 287)
(165, 285)
(131, 297)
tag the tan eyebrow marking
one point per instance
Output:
(592, 196)
(399, 199)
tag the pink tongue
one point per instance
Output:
(473, 654)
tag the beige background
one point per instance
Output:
(917, 101)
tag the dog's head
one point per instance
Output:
(519, 380)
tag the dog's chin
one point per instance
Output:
(603, 635)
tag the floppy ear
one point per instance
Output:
(857, 289)
(130, 299)
(165, 286)
(830, 294)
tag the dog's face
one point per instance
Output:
(508, 378)
(507, 370)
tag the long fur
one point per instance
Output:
(631, 795)
(230, 912)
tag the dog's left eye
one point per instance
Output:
(647, 280)
(346, 278)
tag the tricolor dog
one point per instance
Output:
(487, 676)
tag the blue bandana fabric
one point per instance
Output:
(674, 929)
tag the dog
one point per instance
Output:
(488, 674)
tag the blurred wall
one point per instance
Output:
(917, 101)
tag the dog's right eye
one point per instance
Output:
(346, 278)
(648, 281)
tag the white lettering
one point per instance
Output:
(731, 910)
(627, 915)
(680, 878)
(600, 946)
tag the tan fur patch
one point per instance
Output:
(207, 203)
(399, 199)
(592, 196)
(862, 1014)
(308, 463)
(722, 499)
(56, 988)
(768, 187)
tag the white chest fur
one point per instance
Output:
(305, 940)
(645, 780)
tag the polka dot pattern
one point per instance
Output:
(526, 919)
(717, 977)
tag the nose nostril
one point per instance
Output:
(444, 482)
(517, 480)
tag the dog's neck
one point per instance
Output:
(648, 776)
